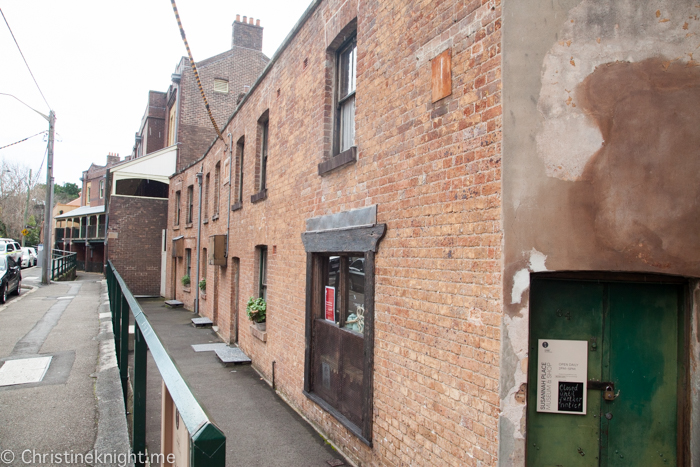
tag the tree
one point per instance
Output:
(65, 193)
(14, 182)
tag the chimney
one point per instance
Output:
(247, 33)
(112, 158)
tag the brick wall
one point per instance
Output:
(134, 241)
(433, 169)
(240, 67)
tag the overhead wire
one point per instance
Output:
(194, 69)
(22, 140)
(25, 60)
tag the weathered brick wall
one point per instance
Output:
(241, 67)
(433, 169)
(134, 241)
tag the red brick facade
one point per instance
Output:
(134, 240)
(434, 172)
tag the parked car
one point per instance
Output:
(11, 248)
(10, 277)
(28, 257)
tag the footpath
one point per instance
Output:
(61, 401)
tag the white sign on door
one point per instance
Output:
(562, 376)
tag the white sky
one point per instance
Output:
(95, 62)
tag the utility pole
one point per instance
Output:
(26, 208)
(48, 215)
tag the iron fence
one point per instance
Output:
(207, 442)
(62, 262)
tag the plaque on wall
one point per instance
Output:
(562, 375)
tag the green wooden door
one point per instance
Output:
(634, 333)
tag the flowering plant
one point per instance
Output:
(185, 280)
(256, 309)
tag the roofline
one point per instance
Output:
(285, 43)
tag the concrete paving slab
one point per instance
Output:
(24, 370)
(201, 322)
(208, 347)
(232, 355)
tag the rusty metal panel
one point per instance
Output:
(217, 250)
(442, 75)
(178, 247)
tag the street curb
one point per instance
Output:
(112, 430)
(21, 296)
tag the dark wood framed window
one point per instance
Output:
(345, 109)
(177, 208)
(262, 272)
(217, 190)
(190, 204)
(340, 324)
(261, 162)
(240, 149)
(206, 197)
(188, 262)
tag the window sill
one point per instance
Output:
(236, 206)
(215, 217)
(342, 419)
(347, 157)
(259, 196)
(186, 289)
(205, 221)
(189, 226)
(258, 334)
(176, 227)
(202, 295)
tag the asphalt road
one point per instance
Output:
(59, 415)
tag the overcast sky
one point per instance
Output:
(95, 62)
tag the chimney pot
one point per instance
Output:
(251, 20)
(257, 23)
(238, 18)
(245, 19)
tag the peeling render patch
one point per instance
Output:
(512, 406)
(521, 279)
(597, 33)
(537, 261)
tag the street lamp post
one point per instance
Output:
(26, 208)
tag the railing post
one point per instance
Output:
(124, 344)
(116, 327)
(139, 417)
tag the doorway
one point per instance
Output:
(635, 335)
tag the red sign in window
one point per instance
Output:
(330, 304)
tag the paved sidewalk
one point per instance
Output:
(73, 412)
(260, 428)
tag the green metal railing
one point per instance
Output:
(207, 442)
(62, 262)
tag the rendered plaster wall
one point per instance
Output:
(600, 155)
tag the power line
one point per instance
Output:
(194, 69)
(22, 140)
(25, 60)
(42, 164)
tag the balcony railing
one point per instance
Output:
(207, 443)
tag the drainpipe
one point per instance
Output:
(199, 239)
(230, 184)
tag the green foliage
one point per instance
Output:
(32, 238)
(203, 285)
(256, 310)
(185, 280)
(66, 192)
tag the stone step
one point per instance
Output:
(202, 322)
(174, 303)
(231, 355)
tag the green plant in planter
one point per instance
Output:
(256, 309)
(185, 280)
(203, 285)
